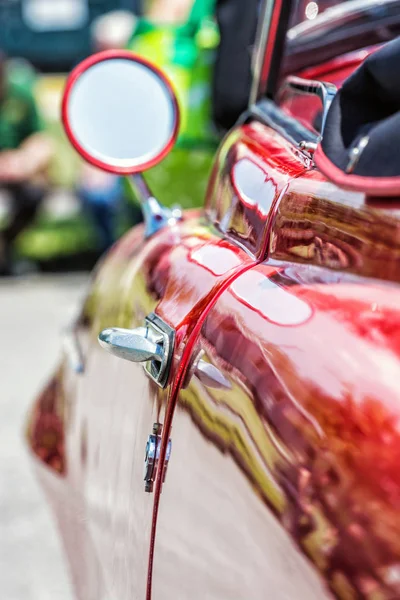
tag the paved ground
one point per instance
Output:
(32, 311)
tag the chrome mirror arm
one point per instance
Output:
(155, 215)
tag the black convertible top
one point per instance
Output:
(360, 144)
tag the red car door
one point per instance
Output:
(237, 449)
(90, 427)
(283, 479)
(216, 527)
(279, 455)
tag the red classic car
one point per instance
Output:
(255, 451)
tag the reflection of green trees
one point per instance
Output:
(352, 495)
(355, 482)
(232, 422)
(337, 494)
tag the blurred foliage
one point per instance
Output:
(57, 237)
(180, 179)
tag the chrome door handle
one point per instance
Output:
(136, 345)
(152, 345)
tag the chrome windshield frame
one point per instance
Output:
(268, 49)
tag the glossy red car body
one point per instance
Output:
(284, 483)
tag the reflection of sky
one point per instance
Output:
(270, 300)
(253, 186)
(121, 112)
(216, 259)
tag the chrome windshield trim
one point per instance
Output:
(263, 29)
(336, 16)
(267, 53)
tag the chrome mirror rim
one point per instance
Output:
(82, 68)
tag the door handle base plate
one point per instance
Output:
(156, 370)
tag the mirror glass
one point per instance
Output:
(120, 114)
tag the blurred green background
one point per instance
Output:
(180, 179)
(186, 53)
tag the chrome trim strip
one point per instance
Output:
(272, 27)
(259, 85)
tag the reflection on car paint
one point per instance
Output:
(318, 440)
(253, 186)
(46, 428)
(317, 223)
(263, 295)
(338, 69)
(215, 258)
(241, 217)
(92, 428)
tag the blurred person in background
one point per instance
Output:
(25, 153)
(181, 37)
(112, 30)
(169, 11)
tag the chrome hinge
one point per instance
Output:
(152, 457)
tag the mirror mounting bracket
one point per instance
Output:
(156, 216)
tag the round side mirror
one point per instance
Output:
(120, 112)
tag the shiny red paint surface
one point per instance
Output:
(284, 483)
(301, 426)
(91, 428)
(306, 436)
(318, 224)
(307, 108)
(238, 208)
(184, 373)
